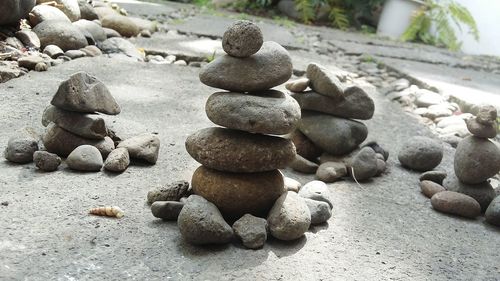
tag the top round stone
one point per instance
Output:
(242, 39)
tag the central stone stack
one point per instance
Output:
(240, 162)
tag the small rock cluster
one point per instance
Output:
(76, 130)
(327, 125)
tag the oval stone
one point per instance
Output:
(456, 204)
(429, 188)
(269, 67)
(269, 112)
(476, 160)
(60, 33)
(334, 135)
(236, 194)
(242, 39)
(240, 152)
(483, 192)
(492, 214)
(421, 153)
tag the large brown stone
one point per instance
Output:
(456, 204)
(236, 194)
(240, 152)
(304, 146)
(125, 26)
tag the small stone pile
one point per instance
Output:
(327, 125)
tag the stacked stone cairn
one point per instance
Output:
(467, 192)
(239, 178)
(75, 130)
(327, 125)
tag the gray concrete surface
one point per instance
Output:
(383, 230)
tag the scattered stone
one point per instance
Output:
(429, 188)
(320, 211)
(481, 130)
(46, 161)
(252, 231)
(492, 214)
(289, 218)
(125, 26)
(242, 39)
(434, 176)
(420, 153)
(364, 164)
(334, 135)
(91, 51)
(237, 151)
(304, 146)
(60, 33)
(476, 160)
(200, 223)
(324, 82)
(427, 98)
(378, 149)
(143, 147)
(297, 86)
(74, 54)
(356, 104)
(11, 11)
(21, 146)
(487, 115)
(118, 160)
(483, 192)
(236, 194)
(167, 210)
(121, 46)
(456, 204)
(170, 192)
(90, 126)
(302, 165)
(85, 93)
(29, 38)
(269, 67)
(61, 142)
(53, 51)
(291, 184)
(85, 158)
(316, 190)
(268, 112)
(30, 62)
(331, 171)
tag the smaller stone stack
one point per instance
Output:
(477, 159)
(71, 120)
(240, 162)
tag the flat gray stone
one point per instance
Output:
(320, 211)
(85, 158)
(143, 147)
(90, 126)
(167, 210)
(324, 82)
(173, 191)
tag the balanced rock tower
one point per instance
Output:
(240, 160)
(477, 159)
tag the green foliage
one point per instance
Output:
(437, 15)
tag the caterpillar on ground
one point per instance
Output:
(110, 211)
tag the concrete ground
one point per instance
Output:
(384, 229)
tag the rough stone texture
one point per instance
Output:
(429, 188)
(324, 82)
(269, 112)
(200, 223)
(61, 142)
(252, 231)
(320, 211)
(302, 165)
(304, 146)
(487, 115)
(236, 194)
(364, 164)
(357, 104)
(297, 86)
(167, 210)
(143, 147)
(476, 160)
(331, 171)
(334, 135)
(289, 218)
(20, 147)
(60, 33)
(238, 151)
(93, 28)
(125, 26)
(483, 192)
(85, 125)
(420, 153)
(46, 161)
(85, 93)
(456, 204)
(269, 67)
(118, 160)
(492, 214)
(481, 130)
(11, 11)
(85, 158)
(316, 190)
(42, 13)
(435, 176)
(242, 39)
(170, 192)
